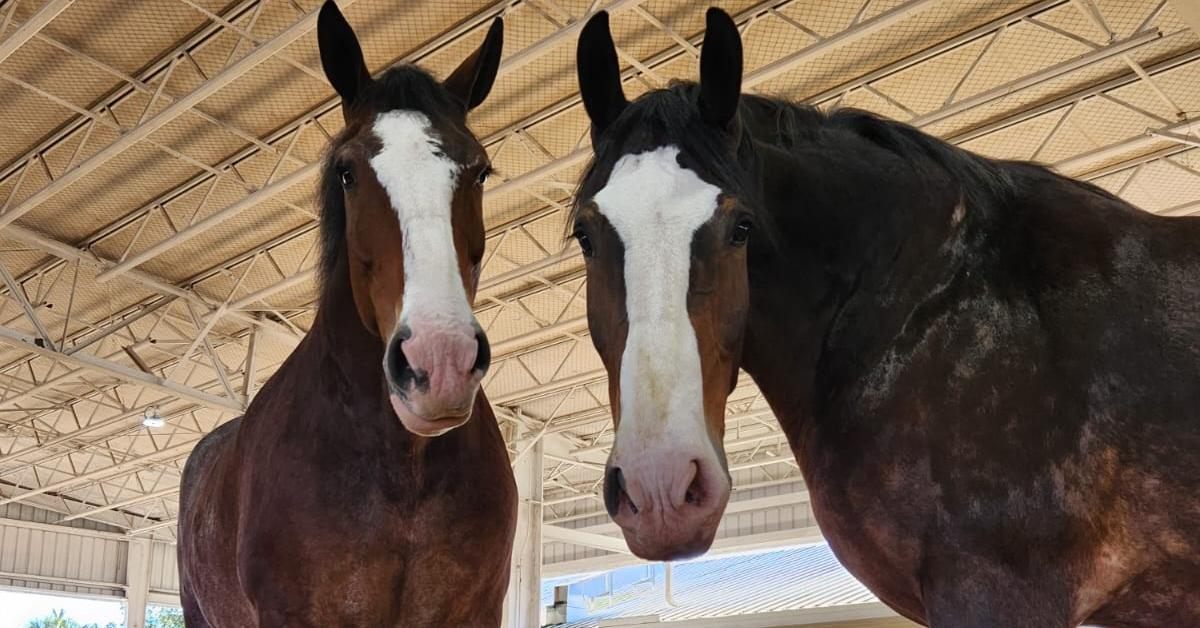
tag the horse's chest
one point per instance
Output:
(874, 514)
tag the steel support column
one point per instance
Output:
(137, 582)
(522, 604)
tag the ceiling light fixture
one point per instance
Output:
(151, 418)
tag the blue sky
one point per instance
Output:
(16, 609)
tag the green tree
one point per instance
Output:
(59, 619)
(56, 619)
(163, 617)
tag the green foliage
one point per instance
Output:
(156, 617)
(163, 617)
(59, 619)
(56, 619)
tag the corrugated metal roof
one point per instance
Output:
(795, 578)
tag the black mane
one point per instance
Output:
(401, 87)
(669, 115)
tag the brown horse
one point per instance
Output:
(986, 371)
(318, 507)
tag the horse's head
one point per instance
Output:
(409, 175)
(662, 223)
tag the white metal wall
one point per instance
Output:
(164, 570)
(79, 557)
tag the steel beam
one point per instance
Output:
(181, 106)
(1066, 100)
(82, 360)
(936, 50)
(121, 504)
(60, 529)
(300, 175)
(866, 28)
(105, 472)
(1037, 78)
(18, 294)
(193, 44)
(552, 533)
(30, 27)
(151, 528)
(532, 53)
(1081, 165)
(151, 282)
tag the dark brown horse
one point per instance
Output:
(318, 507)
(987, 371)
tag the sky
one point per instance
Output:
(16, 609)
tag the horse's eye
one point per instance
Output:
(585, 244)
(347, 177)
(483, 176)
(741, 233)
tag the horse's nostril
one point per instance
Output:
(614, 490)
(399, 372)
(483, 355)
(695, 490)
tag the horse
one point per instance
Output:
(368, 483)
(986, 370)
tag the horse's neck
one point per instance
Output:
(336, 368)
(839, 232)
(342, 362)
(340, 337)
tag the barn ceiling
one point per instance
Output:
(157, 216)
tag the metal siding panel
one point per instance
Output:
(112, 560)
(21, 560)
(164, 575)
(157, 569)
(59, 566)
(758, 521)
(99, 554)
(74, 543)
(48, 552)
(85, 559)
(36, 551)
(8, 549)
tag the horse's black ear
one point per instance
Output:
(341, 56)
(599, 74)
(473, 79)
(720, 69)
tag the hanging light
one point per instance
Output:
(151, 418)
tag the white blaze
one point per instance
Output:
(656, 206)
(420, 181)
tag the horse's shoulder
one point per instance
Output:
(206, 452)
(217, 438)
